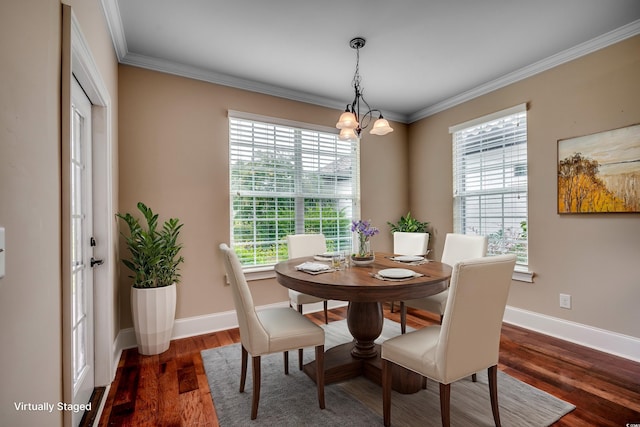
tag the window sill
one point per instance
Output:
(522, 274)
(259, 273)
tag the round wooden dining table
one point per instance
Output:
(365, 292)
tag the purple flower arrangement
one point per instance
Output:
(365, 231)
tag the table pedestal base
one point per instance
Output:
(341, 365)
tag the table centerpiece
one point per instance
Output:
(363, 255)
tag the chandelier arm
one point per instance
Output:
(375, 110)
(353, 104)
(365, 119)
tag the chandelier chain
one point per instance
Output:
(356, 76)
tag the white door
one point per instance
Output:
(82, 243)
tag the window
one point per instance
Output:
(490, 180)
(288, 178)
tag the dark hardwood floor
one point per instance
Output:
(171, 389)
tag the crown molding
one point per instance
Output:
(111, 12)
(590, 46)
(114, 22)
(171, 67)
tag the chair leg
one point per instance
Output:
(300, 353)
(403, 317)
(243, 369)
(392, 304)
(256, 387)
(386, 391)
(286, 363)
(326, 312)
(445, 399)
(493, 392)
(474, 378)
(320, 374)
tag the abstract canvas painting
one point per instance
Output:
(600, 173)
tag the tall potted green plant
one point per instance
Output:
(154, 262)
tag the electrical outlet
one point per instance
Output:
(565, 301)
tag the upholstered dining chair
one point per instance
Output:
(268, 331)
(306, 245)
(467, 341)
(405, 243)
(457, 247)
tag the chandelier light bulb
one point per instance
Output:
(348, 135)
(381, 127)
(347, 121)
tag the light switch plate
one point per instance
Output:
(565, 301)
(2, 252)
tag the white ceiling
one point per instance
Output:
(421, 56)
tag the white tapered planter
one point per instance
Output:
(154, 311)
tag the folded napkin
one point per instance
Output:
(314, 267)
(390, 279)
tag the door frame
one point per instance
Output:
(82, 330)
(77, 61)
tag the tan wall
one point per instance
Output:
(591, 257)
(174, 157)
(30, 293)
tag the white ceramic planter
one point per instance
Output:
(154, 311)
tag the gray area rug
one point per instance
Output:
(291, 400)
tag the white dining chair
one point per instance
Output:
(269, 331)
(467, 341)
(457, 247)
(301, 245)
(405, 243)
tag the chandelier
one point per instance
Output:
(353, 121)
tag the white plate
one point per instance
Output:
(408, 258)
(327, 256)
(396, 273)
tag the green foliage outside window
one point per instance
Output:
(261, 225)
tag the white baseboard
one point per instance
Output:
(198, 325)
(588, 336)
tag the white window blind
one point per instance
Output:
(490, 181)
(288, 179)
